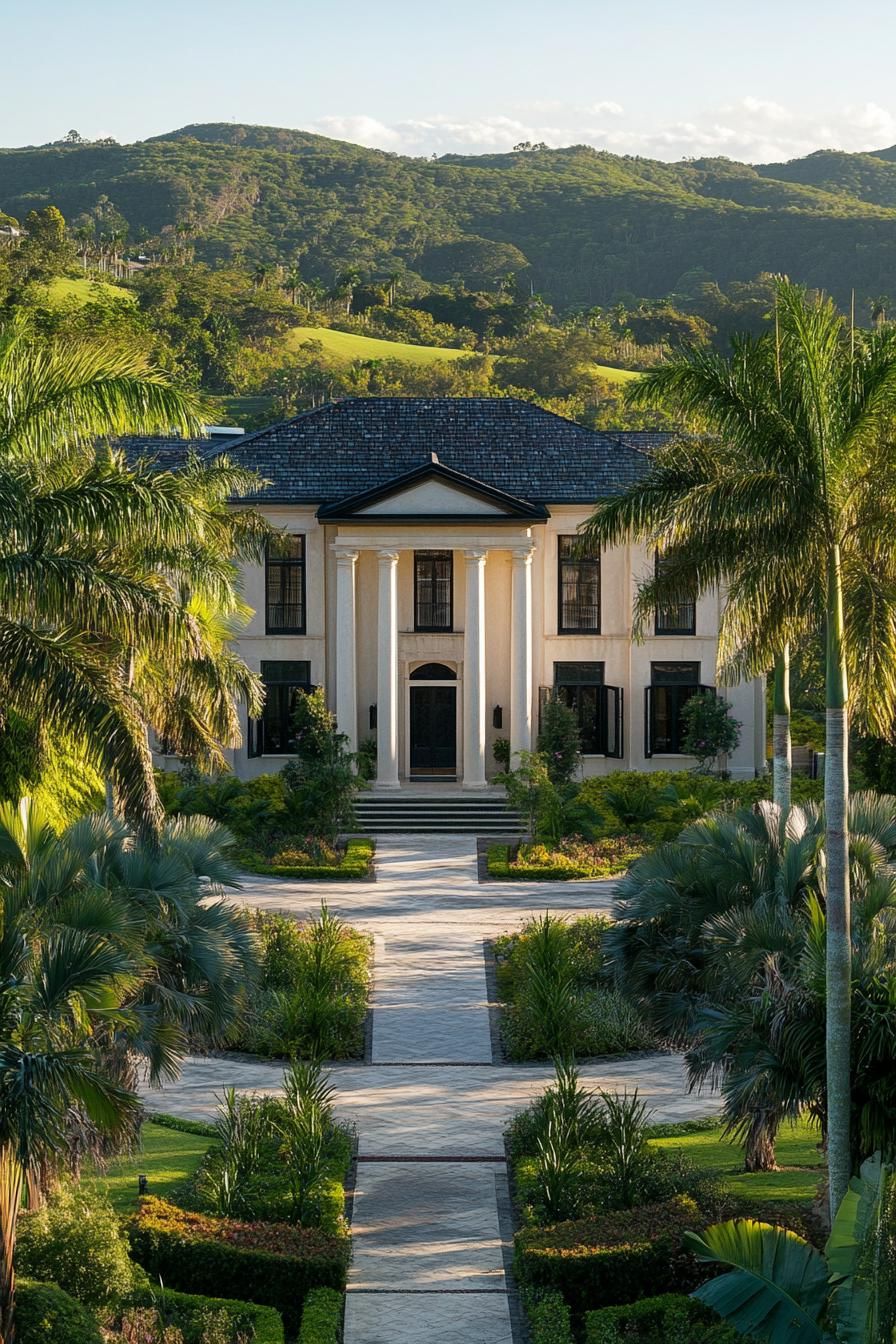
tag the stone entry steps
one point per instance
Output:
(412, 813)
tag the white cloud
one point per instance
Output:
(756, 130)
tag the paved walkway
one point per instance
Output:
(431, 1214)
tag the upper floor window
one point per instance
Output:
(578, 572)
(285, 585)
(679, 618)
(433, 590)
(274, 733)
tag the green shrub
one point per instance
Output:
(566, 860)
(275, 1264)
(559, 740)
(709, 729)
(187, 1311)
(320, 779)
(311, 997)
(559, 999)
(278, 1158)
(77, 1242)
(351, 864)
(616, 1257)
(669, 1319)
(321, 1317)
(548, 1316)
(45, 1314)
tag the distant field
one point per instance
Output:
(62, 288)
(348, 345)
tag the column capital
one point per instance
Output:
(475, 556)
(388, 557)
(345, 557)
(522, 554)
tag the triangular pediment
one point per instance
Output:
(431, 493)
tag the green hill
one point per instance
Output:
(348, 345)
(582, 226)
(63, 289)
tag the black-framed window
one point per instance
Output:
(679, 618)
(433, 590)
(580, 685)
(671, 687)
(578, 582)
(273, 734)
(285, 585)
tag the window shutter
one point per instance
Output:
(612, 699)
(254, 737)
(648, 721)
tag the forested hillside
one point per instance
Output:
(583, 227)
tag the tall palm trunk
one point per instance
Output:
(781, 755)
(759, 1142)
(11, 1183)
(839, 956)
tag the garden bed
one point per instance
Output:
(310, 1000)
(570, 861)
(557, 996)
(602, 1199)
(315, 861)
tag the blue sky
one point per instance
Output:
(757, 81)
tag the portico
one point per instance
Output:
(461, 650)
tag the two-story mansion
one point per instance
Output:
(428, 577)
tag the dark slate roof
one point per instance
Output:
(348, 447)
(171, 453)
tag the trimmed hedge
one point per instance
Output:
(264, 1325)
(47, 1315)
(353, 867)
(548, 1316)
(275, 1264)
(321, 1317)
(669, 1319)
(618, 1257)
(201, 1128)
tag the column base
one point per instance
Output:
(475, 784)
(384, 785)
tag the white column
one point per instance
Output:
(521, 654)
(387, 673)
(346, 676)
(474, 671)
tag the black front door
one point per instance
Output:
(433, 730)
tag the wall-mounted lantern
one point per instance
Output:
(372, 717)
(497, 717)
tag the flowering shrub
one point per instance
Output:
(286, 1239)
(709, 730)
(569, 858)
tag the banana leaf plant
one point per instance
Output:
(783, 1290)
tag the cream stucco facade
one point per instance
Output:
(361, 643)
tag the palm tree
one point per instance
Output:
(58, 984)
(347, 282)
(105, 569)
(722, 937)
(292, 283)
(799, 485)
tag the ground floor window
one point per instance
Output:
(671, 687)
(272, 734)
(597, 707)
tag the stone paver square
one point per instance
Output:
(427, 1318)
(426, 1225)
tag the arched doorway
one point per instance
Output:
(432, 720)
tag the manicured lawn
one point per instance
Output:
(167, 1158)
(797, 1154)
